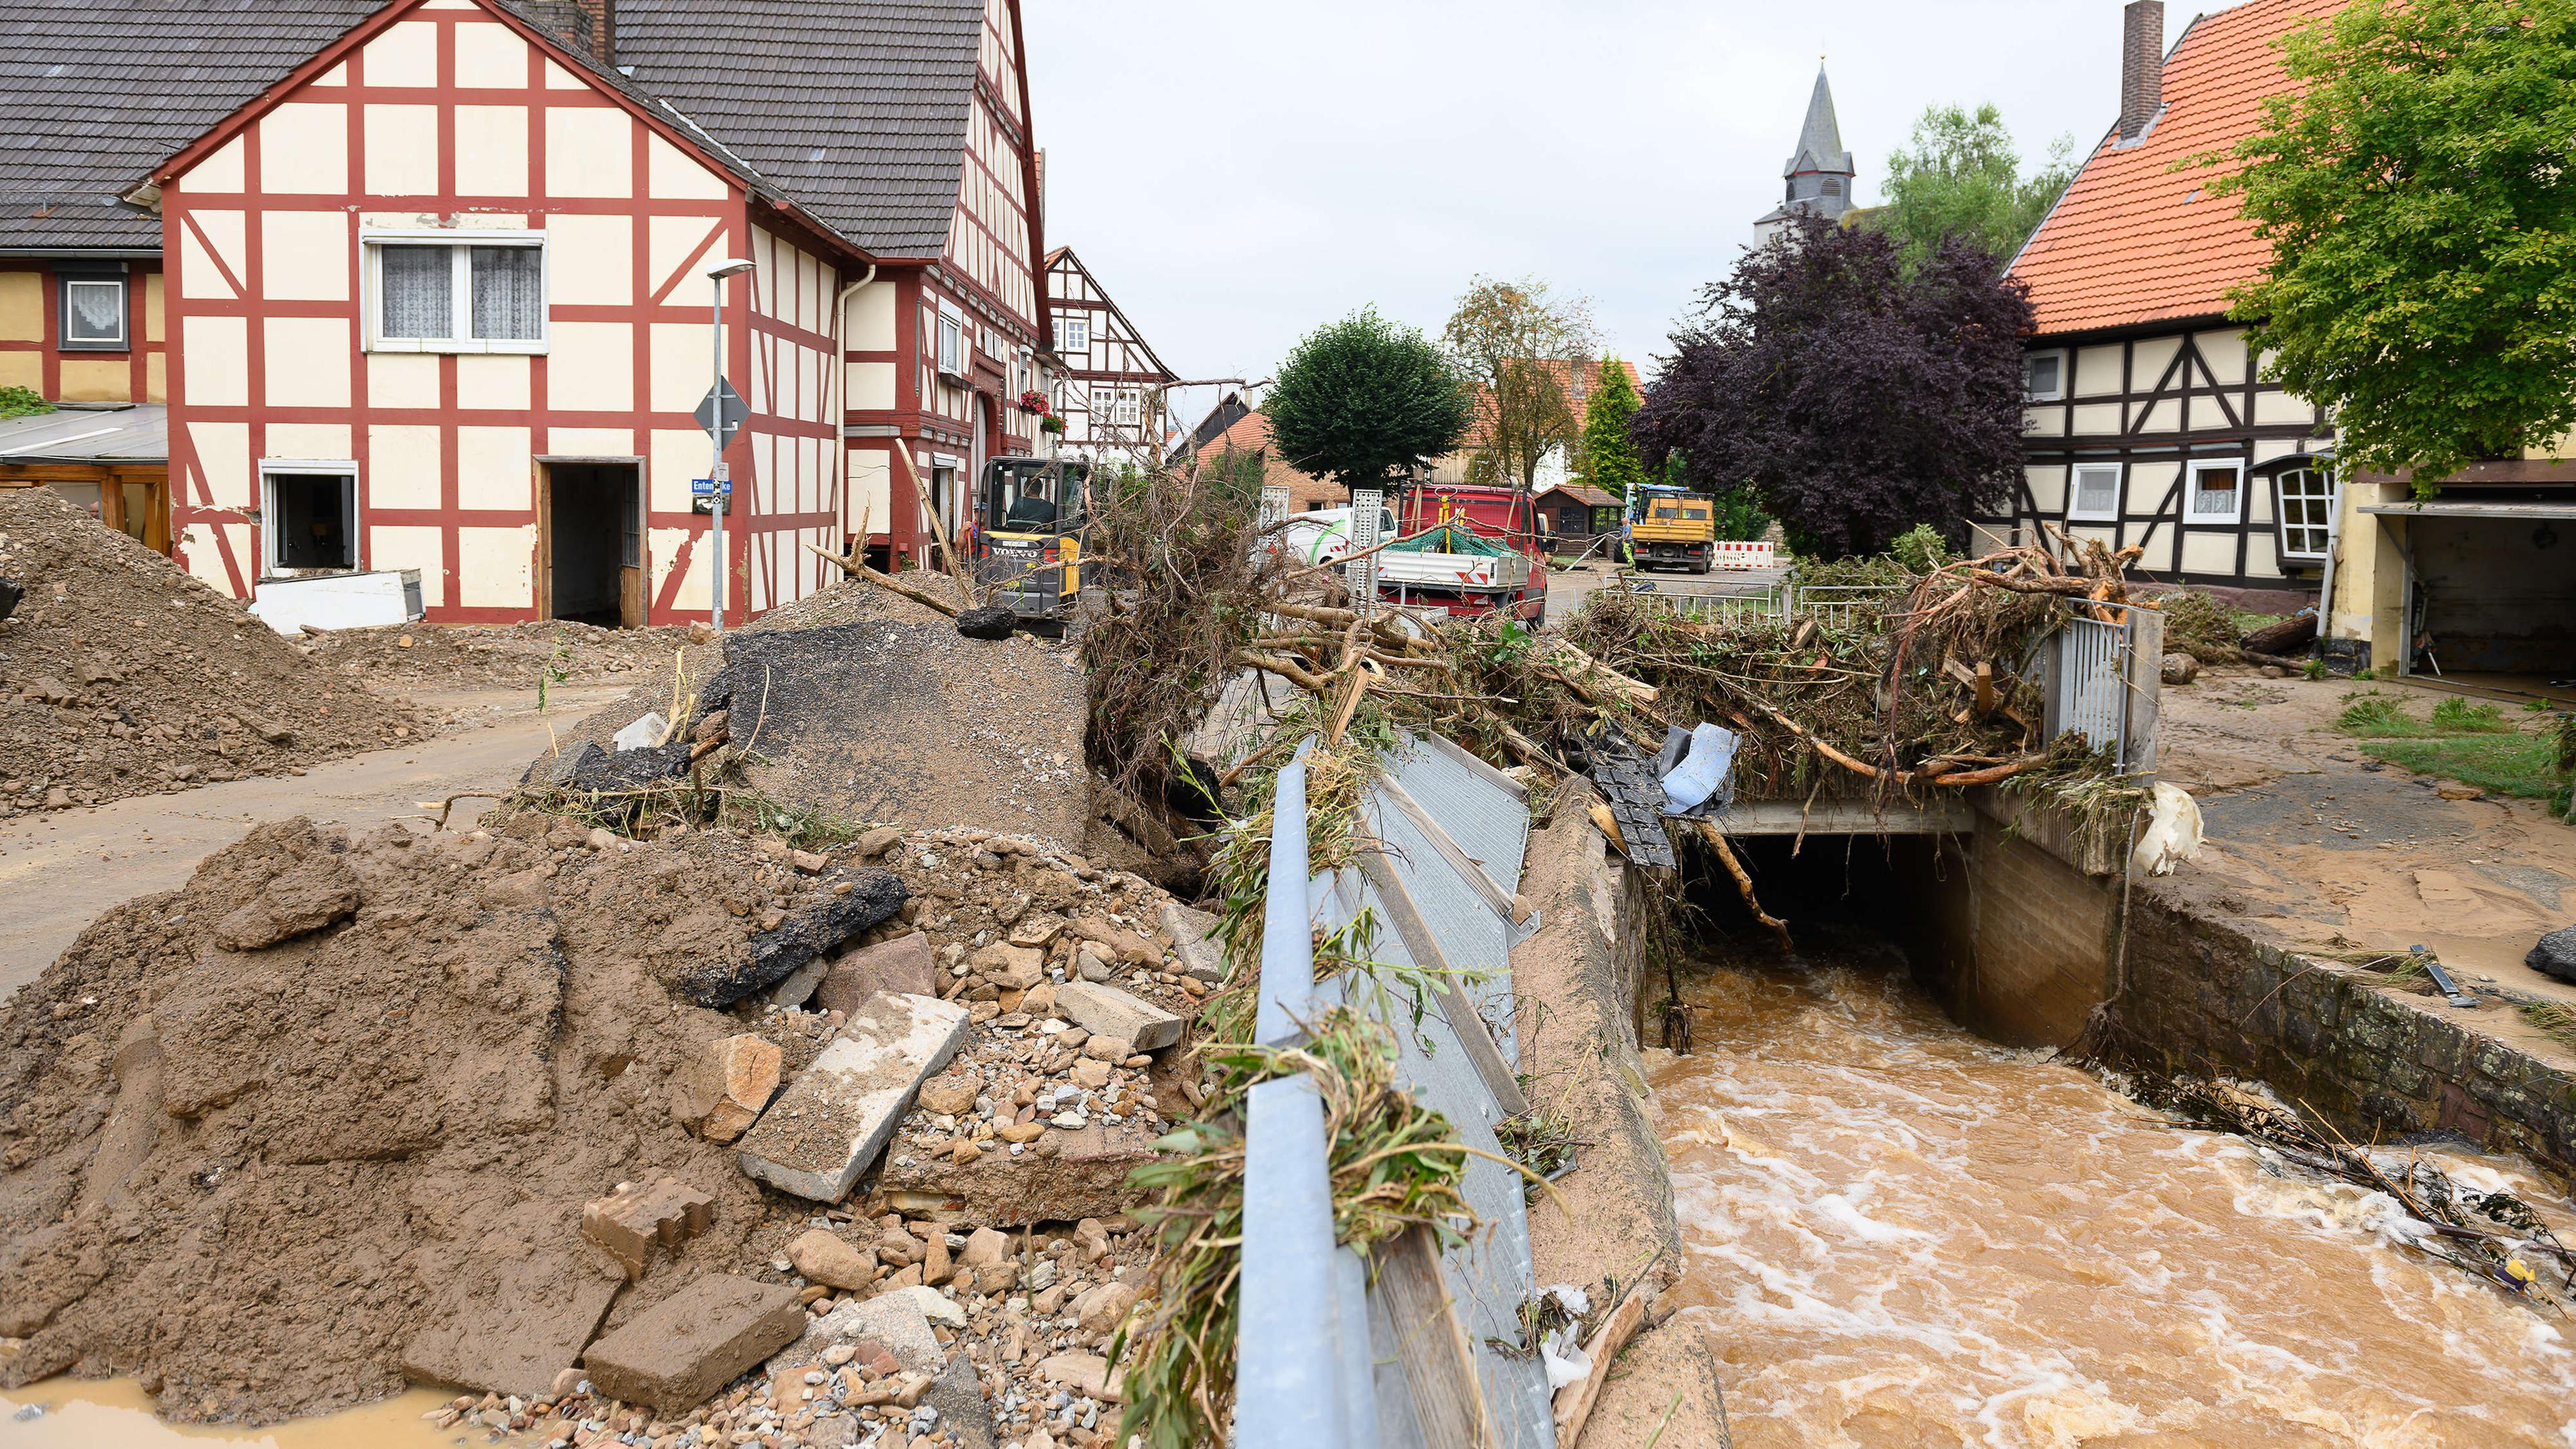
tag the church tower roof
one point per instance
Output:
(1820, 141)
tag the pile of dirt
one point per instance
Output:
(261, 1134)
(501, 656)
(121, 675)
(867, 707)
(261, 1131)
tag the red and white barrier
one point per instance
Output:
(1737, 554)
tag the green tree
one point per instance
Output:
(1609, 461)
(1519, 346)
(1364, 399)
(1962, 177)
(2416, 178)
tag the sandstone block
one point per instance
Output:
(723, 1092)
(1012, 968)
(1085, 1175)
(684, 1348)
(1037, 932)
(877, 842)
(838, 1114)
(1084, 1373)
(950, 1094)
(1112, 1049)
(1105, 1307)
(1108, 1011)
(985, 1248)
(901, 965)
(825, 1259)
(635, 1219)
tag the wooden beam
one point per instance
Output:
(1431, 1346)
(1574, 1402)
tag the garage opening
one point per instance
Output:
(2492, 594)
(311, 520)
(595, 544)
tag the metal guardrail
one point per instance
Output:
(2103, 680)
(1331, 1354)
(1302, 1374)
(1837, 605)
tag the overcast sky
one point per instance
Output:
(1238, 173)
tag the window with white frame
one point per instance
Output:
(456, 292)
(2217, 493)
(308, 516)
(2044, 376)
(93, 313)
(952, 343)
(1073, 334)
(1104, 403)
(1128, 405)
(2094, 494)
(2306, 496)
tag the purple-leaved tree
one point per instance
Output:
(1857, 398)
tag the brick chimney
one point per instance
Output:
(2142, 66)
(601, 16)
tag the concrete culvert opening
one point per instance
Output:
(1869, 1190)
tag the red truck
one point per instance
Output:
(1489, 558)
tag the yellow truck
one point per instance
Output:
(1673, 528)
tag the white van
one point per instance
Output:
(1321, 536)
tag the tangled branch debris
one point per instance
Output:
(2495, 1236)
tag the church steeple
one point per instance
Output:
(1820, 172)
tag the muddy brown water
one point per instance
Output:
(1900, 1234)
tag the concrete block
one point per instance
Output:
(1107, 1011)
(508, 1327)
(635, 1219)
(893, 1320)
(723, 1092)
(902, 965)
(1190, 930)
(676, 1353)
(834, 1119)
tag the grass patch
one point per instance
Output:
(2378, 716)
(2456, 716)
(2554, 1017)
(2516, 764)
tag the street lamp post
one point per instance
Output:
(717, 432)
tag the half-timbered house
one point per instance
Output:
(440, 297)
(1110, 392)
(2148, 422)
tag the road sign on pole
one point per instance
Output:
(721, 413)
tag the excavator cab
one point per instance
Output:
(1030, 515)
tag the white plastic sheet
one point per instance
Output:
(2172, 836)
(1702, 771)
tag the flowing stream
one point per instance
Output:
(1900, 1234)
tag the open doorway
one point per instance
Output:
(594, 544)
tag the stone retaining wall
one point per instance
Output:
(2210, 998)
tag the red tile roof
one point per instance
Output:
(2137, 240)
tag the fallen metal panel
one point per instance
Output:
(1454, 920)
(1483, 810)
(1492, 1276)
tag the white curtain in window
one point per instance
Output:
(419, 292)
(98, 311)
(509, 294)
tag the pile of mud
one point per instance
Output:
(121, 675)
(865, 706)
(501, 656)
(258, 1134)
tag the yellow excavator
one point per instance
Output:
(1029, 520)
